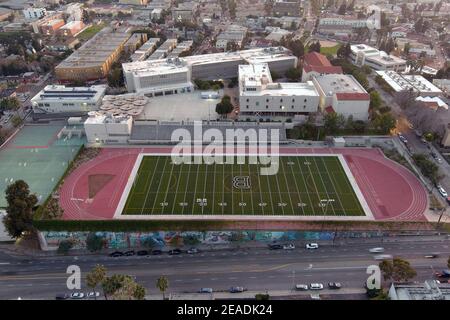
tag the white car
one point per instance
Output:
(315, 286)
(289, 246)
(77, 295)
(92, 294)
(383, 257)
(442, 192)
(301, 287)
(376, 250)
(312, 246)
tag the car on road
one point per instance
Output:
(402, 138)
(448, 200)
(129, 253)
(156, 252)
(142, 253)
(116, 254)
(383, 257)
(424, 141)
(442, 192)
(315, 286)
(174, 252)
(275, 246)
(237, 289)
(62, 296)
(289, 246)
(92, 294)
(301, 287)
(206, 290)
(77, 295)
(192, 251)
(334, 285)
(431, 256)
(376, 250)
(444, 274)
(312, 246)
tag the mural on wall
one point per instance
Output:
(166, 239)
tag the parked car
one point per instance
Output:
(334, 285)
(237, 289)
(62, 296)
(301, 287)
(116, 254)
(192, 251)
(77, 295)
(444, 274)
(315, 286)
(448, 200)
(402, 138)
(142, 253)
(424, 141)
(312, 246)
(289, 246)
(156, 252)
(275, 246)
(174, 252)
(206, 290)
(129, 253)
(383, 257)
(376, 250)
(92, 294)
(442, 192)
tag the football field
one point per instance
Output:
(313, 185)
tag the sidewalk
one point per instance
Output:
(251, 294)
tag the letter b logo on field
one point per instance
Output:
(241, 182)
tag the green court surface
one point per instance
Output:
(304, 185)
(36, 156)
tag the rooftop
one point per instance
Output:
(341, 83)
(60, 92)
(401, 82)
(318, 62)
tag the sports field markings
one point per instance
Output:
(195, 191)
(347, 182)
(287, 186)
(176, 189)
(251, 194)
(330, 177)
(159, 185)
(326, 190)
(165, 203)
(146, 180)
(262, 204)
(306, 187)
(296, 187)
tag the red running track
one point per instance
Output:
(391, 191)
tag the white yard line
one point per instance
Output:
(159, 185)
(296, 187)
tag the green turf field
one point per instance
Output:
(304, 185)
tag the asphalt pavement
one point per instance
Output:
(257, 269)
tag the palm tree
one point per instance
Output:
(96, 277)
(162, 284)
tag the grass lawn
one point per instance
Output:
(89, 32)
(304, 185)
(330, 50)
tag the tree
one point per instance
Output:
(297, 47)
(94, 242)
(111, 284)
(64, 246)
(375, 100)
(428, 168)
(162, 284)
(342, 9)
(19, 218)
(384, 123)
(10, 103)
(96, 276)
(314, 47)
(16, 121)
(406, 48)
(225, 106)
(293, 74)
(398, 270)
(344, 51)
(333, 122)
(115, 77)
(122, 287)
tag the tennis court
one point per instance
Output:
(38, 157)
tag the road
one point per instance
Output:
(258, 269)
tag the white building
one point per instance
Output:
(429, 290)
(75, 11)
(62, 99)
(416, 83)
(233, 33)
(34, 13)
(156, 14)
(145, 50)
(362, 54)
(342, 94)
(175, 75)
(158, 77)
(110, 129)
(260, 97)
